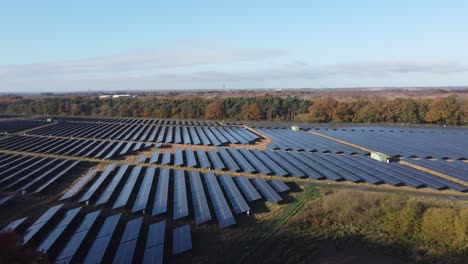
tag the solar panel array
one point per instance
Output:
(13, 126)
(287, 139)
(456, 169)
(74, 236)
(407, 143)
(20, 173)
(200, 134)
(99, 149)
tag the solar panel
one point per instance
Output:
(190, 157)
(144, 192)
(54, 178)
(5, 199)
(13, 225)
(127, 147)
(221, 207)
(74, 243)
(128, 242)
(247, 188)
(213, 140)
(180, 195)
(87, 195)
(186, 136)
(106, 194)
(259, 166)
(166, 158)
(203, 159)
(154, 249)
(182, 240)
(178, 135)
(195, 139)
(98, 249)
(160, 200)
(77, 187)
(279, 186)
(40, 223)
(266, 190)
(178, 157)
(141, 158)
(137, 146)
(216, 160)
(49, 241)
(200, 205)
(126, 191)
(237, 201)
(293, 171)
(154, 157)
(104, 149)
(272, 165)
(227, 159)
(243, 163)
(204, 139)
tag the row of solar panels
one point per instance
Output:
(71, 147)
(20, 173)
(135, 188)
(421, 145)
(73, 236)
(456, 169)
(287, 139)
(196, 135)
(12, 126)
(138, 121)
(304, 164)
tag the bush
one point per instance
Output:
(445, 227)
(401, 216)
(353, 207)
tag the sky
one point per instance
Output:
(52, 46)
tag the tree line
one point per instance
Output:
(451, 110)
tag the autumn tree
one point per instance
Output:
(252, 112)
(321, 110)
(215, 110)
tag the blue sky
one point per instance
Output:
(120, 45)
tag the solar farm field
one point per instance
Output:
(122, 190)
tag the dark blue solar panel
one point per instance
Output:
(243, 163)
(247, 188)
(124, 195)
(154, 250)
(87, 195)
(228, 160)
(215, 160)
(259, 166)
(186, 135)
(237, 201)
(203, 159)
(128, 242)
(127, 147)
(195, 139)
(160, 200)
(40, 223)
(204, 139)
(190, 157)
(279, 186)
(182, 240)
(178, 157)
(266, 190)
(70, 215)
(180, 195)
(67, 253)
(293, 171)
(141, 158)
(200, 205)
(77, 187)
(154, 157)
(272, 165)
(221, 207)
(13, 225)
(166, 158)
(106, 194)
(144, 192)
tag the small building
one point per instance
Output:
(295, 128)
(50, 120)
(381, 157)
